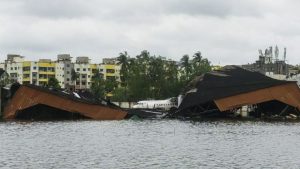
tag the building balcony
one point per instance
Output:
(45, 64)
(26, 64)
(109, 66)
(26, 72)
(43, 79)
(110, 74)
(46, 73)
(26, 79)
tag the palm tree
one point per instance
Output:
(123, 60)
(200, 65)
(185, 63)
(197, 58)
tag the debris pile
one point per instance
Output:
(235, 92)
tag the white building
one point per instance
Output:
(83, 69)
(63, 70)
(14, 67)
(72, 76)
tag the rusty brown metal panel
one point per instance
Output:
(27, 97)
(287, 93)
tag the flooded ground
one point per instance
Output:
(149, 144)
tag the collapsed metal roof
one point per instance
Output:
(233, 87)
(27, 96)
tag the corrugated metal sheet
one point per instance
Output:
(26, 97)
(286, 93)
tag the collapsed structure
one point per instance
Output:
(31, 102)
(233, 89)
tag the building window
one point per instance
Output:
(83, 76)
(89, 76)
(83, 83)
(68, 65)
(51, 69)
(94, 70)
(77, 83)
(68, 79)
(78, 69)
(34, 68)
(43, 69)
(84, 69)
(101, 70)
(110, 70)
(26, 68)
(68, 72)
(89, 69)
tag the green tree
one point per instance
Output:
(156, 77)
(186, 67)
(74, 75)
(98, 85)
(123, 60)
(119, 94)
(172, 84)
(200, 65)
(110, 85)
(4, 79)
(138, 81)
(192, 68)
(148, 76)
(53, 83)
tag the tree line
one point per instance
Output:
(148, 76)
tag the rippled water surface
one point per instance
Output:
(149, 144)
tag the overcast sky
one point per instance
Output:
(225, 31)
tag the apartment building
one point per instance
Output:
(110, 69)
(73, 76)
(14, 67)
(46, 70)
(84, 73)
(64, 71)
(30, 73)
(37, 73)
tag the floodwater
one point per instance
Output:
(149, 144)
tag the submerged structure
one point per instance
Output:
(31, 102)
(234, 89)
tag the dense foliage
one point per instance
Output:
(53, 83)
(98, 87)
(150, 77)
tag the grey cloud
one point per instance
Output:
(135, 9)
(226, 31)
(56, 8)
(219, 8)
